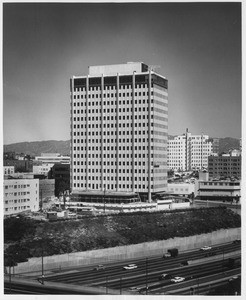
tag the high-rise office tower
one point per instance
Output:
(119, 130)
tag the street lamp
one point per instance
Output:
(146, 265)
(40, 241)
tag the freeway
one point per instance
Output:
(193, 265)
(149, 270)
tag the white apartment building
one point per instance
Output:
(119, 124)
(21, 195)
(53, 158)
(188, 152)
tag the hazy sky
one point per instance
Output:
(197, 46)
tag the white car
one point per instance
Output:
(130, 267)
(177, 279)
(206, 248)
(134, 288)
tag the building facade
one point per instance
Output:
(8, 170)
(189, 152)
(43, 169)
(224, 166)
(119, 124)
(182, 189)
(229, 191)
(21, 195)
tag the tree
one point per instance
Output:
(61, 185)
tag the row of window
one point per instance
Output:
(108, 95)
(127, 117)
(110, 178)
(221, 183)
(114, 155)
(112, 102)
(19, 186)
(113, 125)
(16, 201)
(111, 186)
(16, 208)
(112, 163)
(97, 133)
(16, 194)
(108, 87)
(110, 171)
(139, 140)
(110, 110)
(110, 148)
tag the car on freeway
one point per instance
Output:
(134, 288)
(99, 267)
(166, 255)
(234, 278)
(130, 267)
(206, 248)
(210, 253)
(177, 279)
(165, 276)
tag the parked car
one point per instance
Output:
(177, 279)
(206, 248)
(237, 242)
(99, 267)
(165, 276)
(130, 267)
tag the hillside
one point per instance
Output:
(228, 143)
(36, 148)
(100, 232)
(63, 147)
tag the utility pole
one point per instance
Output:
(146, 265)
(10, 279)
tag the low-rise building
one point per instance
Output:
(181, 189)
(44, 169)
(225, 165)
(21, 195)
(53, 158)
(8, 170)
(229, 191)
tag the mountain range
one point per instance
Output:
(63, 147)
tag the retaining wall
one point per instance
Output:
(128, 252)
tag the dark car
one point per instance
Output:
(165, 276)
(211, 253)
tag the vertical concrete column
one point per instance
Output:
(201, 151)
(149, 139)
(117, 132)
(87, 135)
(133, 131)
(71, 131)
(102, 89)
